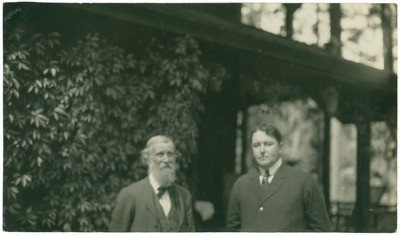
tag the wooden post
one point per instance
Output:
(245, 141)
(243, 105)
(326, 160)
(362, 215)
(330, 98)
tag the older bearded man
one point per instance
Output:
(156, 203)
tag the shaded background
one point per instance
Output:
(85, 85)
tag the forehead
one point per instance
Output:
(162, 146)
(262, 136)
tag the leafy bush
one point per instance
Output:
(77, 115)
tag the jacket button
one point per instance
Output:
(261, 208)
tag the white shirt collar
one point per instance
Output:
(273, 169)
(165, 199)
(154, 184)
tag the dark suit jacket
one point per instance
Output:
(292, 202)
(135, 209)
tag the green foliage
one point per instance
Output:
(77, 115)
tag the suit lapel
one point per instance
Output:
(255, 185)
(276, 183)
(148, 196)
(180, 209)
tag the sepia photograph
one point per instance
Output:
(200, 117)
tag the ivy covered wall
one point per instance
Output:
(78, 112)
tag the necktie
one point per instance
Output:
(265, 181)
(163, 189)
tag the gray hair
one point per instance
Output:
(145, 153)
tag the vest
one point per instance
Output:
(168, 223)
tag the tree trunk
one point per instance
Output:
(335, 44)
(386, 16)
(290, 9)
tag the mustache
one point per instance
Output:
(163, 167)
(167, 165)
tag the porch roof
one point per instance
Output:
(318, 64)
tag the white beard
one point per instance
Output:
(165, 176)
